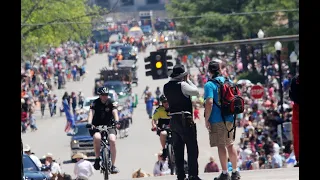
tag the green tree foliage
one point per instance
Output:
(253, 76)
(216, 26)
(48, 22)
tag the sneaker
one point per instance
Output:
(223, 177)
(193, 178)
(114, 170)
(297, 165)
(96, 164)
(235, 176)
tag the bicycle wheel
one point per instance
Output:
(105, 161)
(172, 164)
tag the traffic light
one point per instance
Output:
(157, 66)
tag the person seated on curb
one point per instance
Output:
(83, 169)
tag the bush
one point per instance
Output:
(253, 76)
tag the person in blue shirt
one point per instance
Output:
(218, 130)
(149, 104)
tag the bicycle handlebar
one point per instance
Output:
(166, 128)
(100, 127)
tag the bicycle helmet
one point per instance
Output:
(163, 98)
(103, 91)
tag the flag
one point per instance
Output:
(291, 159)
(69, 116)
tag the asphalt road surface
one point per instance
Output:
(135, 151)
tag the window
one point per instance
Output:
(152, 1)
(127, 2)
(81, 131)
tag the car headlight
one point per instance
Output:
(74, 144)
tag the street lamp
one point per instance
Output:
(261, 36)
(278, 47)
(293, 61)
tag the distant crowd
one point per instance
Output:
(50, 71)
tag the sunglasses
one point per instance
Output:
(103, 94)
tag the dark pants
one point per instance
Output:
(81, 104)
(184, 132)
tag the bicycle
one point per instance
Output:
(105, 153)
(169, 148)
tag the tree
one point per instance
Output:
(51, 22)
(215, 25)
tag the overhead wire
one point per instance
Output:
(182, 17)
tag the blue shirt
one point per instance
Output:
(211, 91)
(149, 103)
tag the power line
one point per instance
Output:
(182, 17)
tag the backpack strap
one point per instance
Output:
(222, 116)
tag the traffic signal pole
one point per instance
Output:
(202, 46)
(158, 67)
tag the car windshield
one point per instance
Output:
(81, 131)
(28, 164)
(126, 50)
(89, 102)
(115, 47)
(116, 87)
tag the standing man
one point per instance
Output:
(219, 134)
(184, 131)
(294, 96)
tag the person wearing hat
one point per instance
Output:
(83, 169)
(35, 159)
(218, 130)
(178, 92)
(52, 166)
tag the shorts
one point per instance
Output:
(218, 136)
(162, 122)
(111, 131)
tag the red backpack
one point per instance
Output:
(231, 102)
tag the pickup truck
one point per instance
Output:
(81, 141)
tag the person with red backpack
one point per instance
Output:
(222, 104)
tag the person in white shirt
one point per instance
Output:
(161, 167)
(35, 159)
(52, 166)
(83, 169)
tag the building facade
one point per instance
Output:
(132, 7)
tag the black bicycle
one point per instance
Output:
(169, 148)
(105, 154)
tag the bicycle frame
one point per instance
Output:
(104, 145)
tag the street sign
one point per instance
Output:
(256, 92)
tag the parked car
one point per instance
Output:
(31, 170)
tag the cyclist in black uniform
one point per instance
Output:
(103, 111)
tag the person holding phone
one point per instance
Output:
(179, 91)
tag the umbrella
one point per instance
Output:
(244, 81)
(135, 29)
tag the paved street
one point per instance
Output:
(136, 151)
(268, 174)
